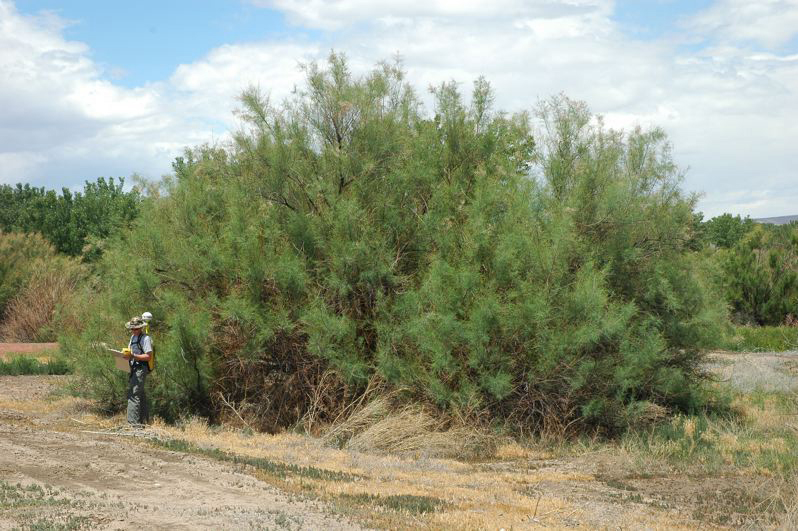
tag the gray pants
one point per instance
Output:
(137, 411)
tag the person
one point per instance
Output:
(141, 351)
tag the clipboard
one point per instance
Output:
(120, 362)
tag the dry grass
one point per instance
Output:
(380, 427)
(30, 315)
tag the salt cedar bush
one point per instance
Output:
(761, 275)
(534, 268)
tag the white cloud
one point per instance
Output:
(62, 122)
(731, 110)
(771, 23)
(337, 14)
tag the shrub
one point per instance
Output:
(32, 314)
(547, 281)
(726, 231)
(761, 275)
(18, 254)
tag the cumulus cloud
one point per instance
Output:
(730, 107)
(58, 108)
(64, 121)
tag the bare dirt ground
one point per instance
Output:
(56, 473)
(115, 482)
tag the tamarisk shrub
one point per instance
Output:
(534, 267)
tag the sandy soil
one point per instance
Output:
(99, 481)
(10, 349)
(54, 471)
(750, 371)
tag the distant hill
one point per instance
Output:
(779, 220)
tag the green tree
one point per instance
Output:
(725, 231)
(761, 275)
(549, 281)
(77, 224)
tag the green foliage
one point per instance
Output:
(763, 339)
(77, 223)
(266, 466)
(761, 275)
(19, 365)
(743, 439)
(409, 503)
(549, 281)
(726, 231)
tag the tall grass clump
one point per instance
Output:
(535, 268)
(35, 283)
(763, 338)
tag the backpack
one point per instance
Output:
(151, 362)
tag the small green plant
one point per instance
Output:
(21, 501)
(26, 365)
(403, 502)
(273, 468)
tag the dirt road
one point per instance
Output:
(53, 473)
(57, 471)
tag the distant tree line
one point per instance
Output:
(75, 223)
(49, 241)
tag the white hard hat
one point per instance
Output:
(146, 316)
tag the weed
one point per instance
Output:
(61, 523)
(21, 500)
(403, 502)
(616, 484)
(279, 470)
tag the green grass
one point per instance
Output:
(25, 365)
(405, 502)
(763, 339)
(708, 444)
(273, 468)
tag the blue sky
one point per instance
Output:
(106, 88)
(144, 41)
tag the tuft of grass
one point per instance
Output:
(763, 339)
(273, 468)
(26, 365)
(402, 502)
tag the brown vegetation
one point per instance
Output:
(31, 313)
